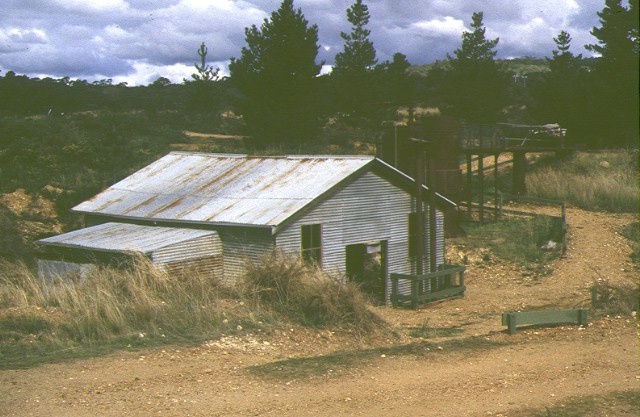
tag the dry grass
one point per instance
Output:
(282, 285)
(606, 180)
(140, 304)
(110, 304)
(614, 299)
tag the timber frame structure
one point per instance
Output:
(480, 141)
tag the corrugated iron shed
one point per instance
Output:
(223, 188)
(120, 237)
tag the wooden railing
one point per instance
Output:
(504, 136)
(447, 282)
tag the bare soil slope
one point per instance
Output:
(476, 370)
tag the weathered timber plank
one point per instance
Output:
(546, 317)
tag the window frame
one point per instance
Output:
(311, 243)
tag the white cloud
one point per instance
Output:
(447, 26)
(144, 73)
(140, 39)
(92, 6)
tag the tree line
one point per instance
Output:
(276, 86)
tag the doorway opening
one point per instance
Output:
(367, 267)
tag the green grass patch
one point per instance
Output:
(517, 239)
(619, 404)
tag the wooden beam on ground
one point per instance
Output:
(543, 317)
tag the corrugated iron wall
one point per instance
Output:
(201, 255)
(242, 245)
(370, 209)
(204, 246)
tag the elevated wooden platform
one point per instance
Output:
(478, 139)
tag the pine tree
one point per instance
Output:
(276, 75)
(358, 55)
(475, 87)
(563, 61)
(354, 64)
(202, 86)
(562, 93)
(614, 116)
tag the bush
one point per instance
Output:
(632, 232)
(306, 294)
(614, 299)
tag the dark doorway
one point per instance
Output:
(366, 266)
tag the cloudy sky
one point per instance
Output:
(137, 41)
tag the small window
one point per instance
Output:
(311, 243)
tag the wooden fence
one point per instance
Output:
(447, 282)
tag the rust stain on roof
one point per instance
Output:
(222, 188)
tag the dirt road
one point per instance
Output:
(476, 370)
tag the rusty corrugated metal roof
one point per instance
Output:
(223, 188)
(121, 237)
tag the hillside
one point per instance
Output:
(451, 358)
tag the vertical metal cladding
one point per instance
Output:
(200, 255)
(201, 247)
(369, 209)
(242, 245)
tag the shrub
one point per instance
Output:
(614, 299)
(306, 294)
(632, 232)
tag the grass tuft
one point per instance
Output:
(140, 305)
(284, 285)
(614, 299)
(110, 304)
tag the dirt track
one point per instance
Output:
(478, 371)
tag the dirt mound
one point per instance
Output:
(34, 215)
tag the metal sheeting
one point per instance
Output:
(370, 209)
(121, 237)
(224, 189)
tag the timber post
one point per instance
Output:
(519, 171)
